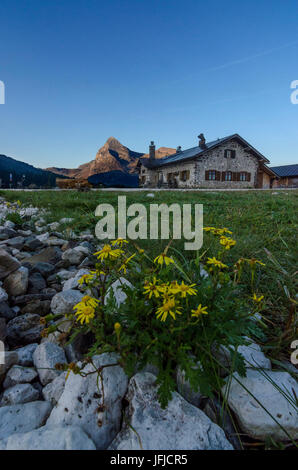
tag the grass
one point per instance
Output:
(263, 223)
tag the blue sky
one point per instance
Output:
(77, 72)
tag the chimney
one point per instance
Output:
(202, 141)
(178, 150)
(152, 151)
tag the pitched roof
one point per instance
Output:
(285, 170)
(198, 152)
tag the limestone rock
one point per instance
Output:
(72, 283)
(20, 393)
(79, 402)
(23, 418)
(75, 255)
(63, 302)
(180, 426)
(19, 375)
(45, 357)
(47, 438)
(53, 391)
(25, 355)
(116, 290)
(253, 419)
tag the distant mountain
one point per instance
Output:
(23, 172)
(113, 156)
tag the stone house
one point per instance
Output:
(230, 162)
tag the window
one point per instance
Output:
(184, 175)
(230, 153)
(211, 175)
(244, 176)
(228, 176)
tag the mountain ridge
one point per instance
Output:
(17, 168)
(111, 156)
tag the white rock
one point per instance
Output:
(29, 211)
(53, 391)
(253, 419)
(72, 283)
(252, 354)
(21, 393)
(64, 275)
(79, 402)
(55, 241)
(63, 302)
(181, 426)
(25, 354)
(152, 195)
(75, 255)
(43, 237)
(47, 438)
(19, 375)
(116, 290)
(23, 418)
(45, 357)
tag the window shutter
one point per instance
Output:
(238, 176)
(218, 176)
(234, 176)
(248, 176)
(225, 153)
(223, 175)
(206, 175)
(233, 154)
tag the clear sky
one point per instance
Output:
(79, 71)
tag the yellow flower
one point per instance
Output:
(215, 262)
(108, 252)
(117, 326)
(85, 314)
(19, 203)
(254, 261)
(257, 299)
(199, 311)
(217, 231)
(183, 289)
(151, 288)
(163, 258)
(169, 307)
(118, 242)
(227, 242)
(86, 278)
(86, 301)
(123, 266)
